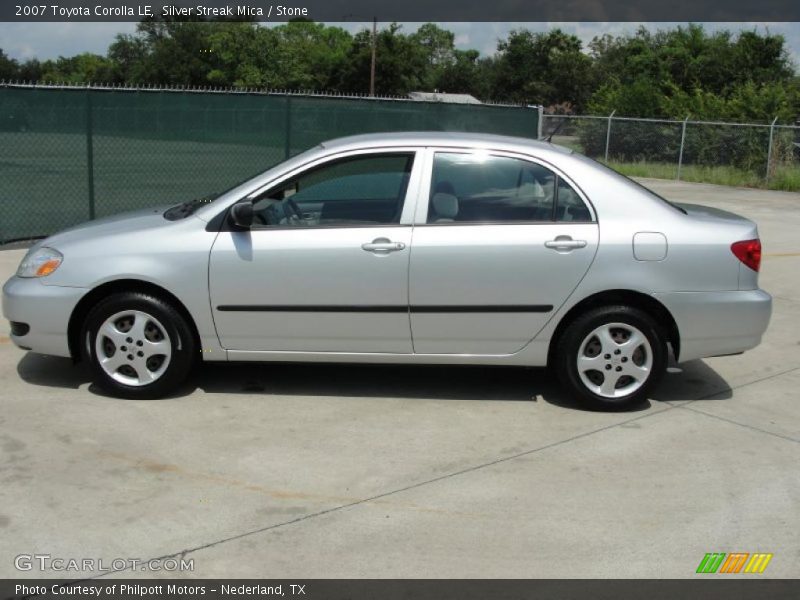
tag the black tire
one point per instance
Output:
(573, 343)
(183, 350)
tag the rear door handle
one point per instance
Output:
(565, 243)
(383, 246)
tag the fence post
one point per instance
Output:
(288, 137)
(608, 132)
(769, 150)
(540, 124)
(90, 153)
(683, 139)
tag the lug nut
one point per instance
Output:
(140, 353)
(608, 367)
(619, 368)
(129, 340)
(607, 356)
(138, 342)
(624, 359)
(123, 348)
(617, 351)
(130, 356)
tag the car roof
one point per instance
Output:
(441, 138)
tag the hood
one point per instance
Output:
(128, 222)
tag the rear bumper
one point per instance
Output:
(45, 309)
(717, 323)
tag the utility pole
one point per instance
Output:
(372, 65)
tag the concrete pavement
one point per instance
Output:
(367, 471)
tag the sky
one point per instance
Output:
(51, 40)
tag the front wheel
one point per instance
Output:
(611, 357)
(138, 346)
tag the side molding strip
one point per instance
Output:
(499, 308)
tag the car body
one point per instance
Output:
(409, 248)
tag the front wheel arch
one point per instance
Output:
(634, 299)
(82, 309)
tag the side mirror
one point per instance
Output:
(242, 214)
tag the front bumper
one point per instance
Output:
(717, 323)
(46, 309)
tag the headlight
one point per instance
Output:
(40, 263)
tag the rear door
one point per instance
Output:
(500, 246)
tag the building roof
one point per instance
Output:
(442, 97)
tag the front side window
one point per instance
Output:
(482, 188)
(355, 191)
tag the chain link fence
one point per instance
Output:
(69, 154)
(751, 154)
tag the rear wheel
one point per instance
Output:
(138, 346)
(611, 357)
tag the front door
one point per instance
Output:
(325, 266)
(504, 243)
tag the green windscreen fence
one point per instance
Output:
(68, 155)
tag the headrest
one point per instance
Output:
(444, 187)
(445, 205)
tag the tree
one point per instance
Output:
(310, 55)
(401, 66)
(82, 68)
(129, 55)
(466, 74)
(689, 59)
(9, 69)
(438, 46)
(541, 68)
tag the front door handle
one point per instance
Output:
(564, 243)
(383, 246)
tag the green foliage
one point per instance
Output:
(541, 68)
(8, 66)
(663, 74)
(402, 66)
(78, 69)
(785, 178)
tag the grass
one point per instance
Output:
(784, 178)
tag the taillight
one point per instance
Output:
(749, 252)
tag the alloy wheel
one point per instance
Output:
(615, 360)
(133, 348)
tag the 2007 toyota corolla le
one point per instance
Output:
(402, 248)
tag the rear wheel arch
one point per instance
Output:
(84, 307)
(631, 298)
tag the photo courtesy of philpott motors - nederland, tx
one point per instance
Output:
(127, 589)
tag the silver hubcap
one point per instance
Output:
(133, 348)
(615, 360)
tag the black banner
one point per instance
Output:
(706, 587)
(408, 10)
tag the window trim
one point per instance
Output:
(421, 214)
(409, 201)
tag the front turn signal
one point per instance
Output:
(40, 263)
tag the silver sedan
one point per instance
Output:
(402, 248)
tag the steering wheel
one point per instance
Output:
(293, 213)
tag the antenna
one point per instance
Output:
(556, 129)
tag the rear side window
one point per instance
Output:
(569, 206)
(482, 188)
